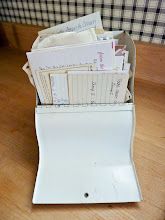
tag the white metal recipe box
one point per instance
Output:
(85, 151)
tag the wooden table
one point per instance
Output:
(19, 152)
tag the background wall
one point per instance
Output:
(143, 19)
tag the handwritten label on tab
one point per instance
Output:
(77, 25)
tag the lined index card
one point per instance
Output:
(89, 87)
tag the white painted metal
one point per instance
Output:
(85, 155)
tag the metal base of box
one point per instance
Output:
(85, 155)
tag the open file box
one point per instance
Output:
(85, 151)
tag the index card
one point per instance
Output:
(120, 84)
(101, 53)
(119, 62)
(89, 87)
(80, 24)
(59, 86)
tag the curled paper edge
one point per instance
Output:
(27, 70)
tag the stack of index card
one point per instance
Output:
(79, 63)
